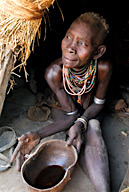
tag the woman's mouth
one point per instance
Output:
(68, 60)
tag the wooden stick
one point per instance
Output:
(6, 66)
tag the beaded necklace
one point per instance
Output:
(80, 81)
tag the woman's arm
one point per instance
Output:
(104, 76)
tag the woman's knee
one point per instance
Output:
(93, 135)
(94, 125)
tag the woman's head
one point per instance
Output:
(84, 40)
(97, 24)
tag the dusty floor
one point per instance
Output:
(14, 115)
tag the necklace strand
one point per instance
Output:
(81, 82)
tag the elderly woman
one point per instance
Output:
(80, 81)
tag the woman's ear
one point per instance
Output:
(99, 52)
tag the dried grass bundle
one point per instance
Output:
(25, 9)
(20, 22)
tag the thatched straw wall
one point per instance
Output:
(20, 22)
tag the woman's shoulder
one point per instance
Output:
(56, 65)
(104, 69)
(105, 66)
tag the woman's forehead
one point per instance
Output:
(81, 29)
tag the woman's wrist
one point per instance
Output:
(79, 124)
(39, 134)
(82, 123)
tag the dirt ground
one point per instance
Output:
(14, 115)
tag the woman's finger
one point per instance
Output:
(79, 143)
(78, 146)
(17, 149)
(70, 140)
(24, 137)
(19, 161)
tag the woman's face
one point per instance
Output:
(77, 45)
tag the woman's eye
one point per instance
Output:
(68, 37)
(83, 43)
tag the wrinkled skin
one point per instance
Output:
(75, 137)
(78, 48)
(25, 145)
(28, 141)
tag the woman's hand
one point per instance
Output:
(25, 145)
(75, 137)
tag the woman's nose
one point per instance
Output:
(72, 48)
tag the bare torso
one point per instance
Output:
(55, 80)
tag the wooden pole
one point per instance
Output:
(6, 66)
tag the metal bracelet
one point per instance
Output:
(85, 118)
(82, 120)
(99, 101)
(72, 113)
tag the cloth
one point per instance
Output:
(41, 111)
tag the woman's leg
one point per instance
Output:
(95, 159)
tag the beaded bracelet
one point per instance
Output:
(84, 121)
